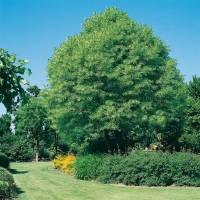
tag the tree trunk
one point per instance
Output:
(37, 148)
(106, 136)
(56, 142)
(118, 141)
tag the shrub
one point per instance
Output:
(151, 169)
(21, 150)
(4, 160)
(111, 169)
(7, 184)
(186, 169)
(17, 148)
(64, 163)
(87, 167)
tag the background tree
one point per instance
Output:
(30, 119)
(191, 137)
(33, 91)
(115, 81)
(11, 91)
(16, 147)
(5, 124)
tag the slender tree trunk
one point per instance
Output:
(56, 142)
(118, 141)
(107, 139)
(37, 148)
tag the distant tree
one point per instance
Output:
(191, 138)
(30, 119)
(5, 124)
(11, 91)
(33, 91)
(116, 80)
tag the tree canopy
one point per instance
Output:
(191, 137)
(115, 80)
(11, 91)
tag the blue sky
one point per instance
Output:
(33, 28)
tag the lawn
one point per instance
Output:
(39, 181)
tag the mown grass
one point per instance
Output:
(39, 181)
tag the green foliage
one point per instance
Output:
(4, 160)
(111, 169)
(33, 91)
(152, 169)
(7, 142)
(186, 169)
(17, 148)
(5, 123)
(7, 184)
(22, 151)
(141, 168)
(191, 137)
(30, 120)
(87, 167)
(11, 91)
(194, 87)
(115, 79)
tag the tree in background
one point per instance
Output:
(5, 124)
(11, 91)
(191, 137)
(116, 81)
(33, 91)
(16, 147)
(30, 119)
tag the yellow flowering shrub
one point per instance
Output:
(64, 163)
(57, 162)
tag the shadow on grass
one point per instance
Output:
(19, 191)
(14, 171)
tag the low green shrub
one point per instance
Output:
(4, 160)
(111, 170)
(186, 169)
(141, 168)
(87, 167)
(7, 184)
(152, 169)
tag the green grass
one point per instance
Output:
(39, 181)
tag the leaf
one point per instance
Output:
(26, 61)
(21, 70)
(12, 58)
(1, 64)
(29, 72)
(1, 81)
(23, 61)
(24, 81)
(1, 98)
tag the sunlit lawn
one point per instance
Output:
(37, 181)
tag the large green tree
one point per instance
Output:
(115, 80)
(11, 91)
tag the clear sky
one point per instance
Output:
(33, 28)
